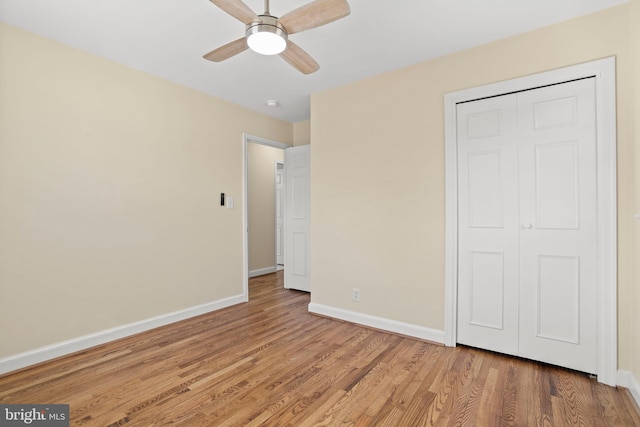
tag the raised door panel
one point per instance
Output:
(487, 289)
(557, 314)
(557, 185)
(484, 189)
(299, 254)
(299, 199)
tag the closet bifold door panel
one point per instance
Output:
(488, 224)
(558, 212)
(527, 224)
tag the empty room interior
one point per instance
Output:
(414, 213)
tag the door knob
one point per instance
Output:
(527, 226)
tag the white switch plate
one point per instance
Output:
(229, 202)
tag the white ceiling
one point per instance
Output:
(167, 38)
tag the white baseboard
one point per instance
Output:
(262, 271)
(408, 329)
(42, 354)
(628, 380)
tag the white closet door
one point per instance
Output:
(558, 237)
(528, 226)
(488, 224)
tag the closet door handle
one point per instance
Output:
(527, 226)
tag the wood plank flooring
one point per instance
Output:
(269, 362)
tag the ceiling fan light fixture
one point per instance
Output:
(266, 36)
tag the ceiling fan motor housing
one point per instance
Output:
(266, 26)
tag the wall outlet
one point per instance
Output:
(356, 294)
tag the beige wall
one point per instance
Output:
(302, 133)
(109, 193)
(378, 172)
(262, 205)
(635, 301)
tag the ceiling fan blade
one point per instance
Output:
(314, 14)
(227, 51)
(299, 59)
(237, 9)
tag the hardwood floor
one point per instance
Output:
(269, 362)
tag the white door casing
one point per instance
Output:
(606, 208)
(280, 207)
(297, 217)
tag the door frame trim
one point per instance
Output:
(604, 72)
(246, 139)
(284, 204)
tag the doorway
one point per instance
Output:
(296, 242)
(605, 314)
(262, 207)
(258, 225)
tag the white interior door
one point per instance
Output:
(297, 217)
(527, 224)
(280, 214)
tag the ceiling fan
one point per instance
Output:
(268, 35)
